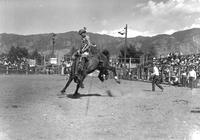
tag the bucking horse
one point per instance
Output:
(97, 60)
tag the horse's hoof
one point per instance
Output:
(62, 91)
(101, 79)
(118, 82)
(76, 95)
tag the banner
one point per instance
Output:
(54, 61)
(133, 65)
(32, 62)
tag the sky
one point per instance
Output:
(143, 17)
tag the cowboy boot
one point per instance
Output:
(76, 72)
(83, 71)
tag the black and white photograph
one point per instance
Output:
(99, 69)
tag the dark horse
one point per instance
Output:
(96, 61)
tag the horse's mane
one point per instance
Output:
(96, 51)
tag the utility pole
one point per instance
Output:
(196, 43)
(44, 60)
(125, 47)
(53, 42)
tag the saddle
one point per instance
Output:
(82, 61)
(80, 65)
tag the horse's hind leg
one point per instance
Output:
(100, 76)
(113, 69)
(67, 84)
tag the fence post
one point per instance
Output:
(138, 74)
(162, 77)
(26, 69)
(170, 73)
(148, 74)
(143, 73)
(179, 74)
(6, 69)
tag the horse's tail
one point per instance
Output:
(106, 53)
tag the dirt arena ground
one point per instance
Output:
(32, 109)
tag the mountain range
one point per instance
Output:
(185, 42)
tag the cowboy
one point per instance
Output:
(84, 50)
(155, 78)
(85, 46)
(192, 76)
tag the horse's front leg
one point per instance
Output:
(76, 91)
(82, 79)
(67, 84)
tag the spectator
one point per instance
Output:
(175, 81)
(184, 78)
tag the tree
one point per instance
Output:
(152, 52)
(37, 56)
(12, 56)
(131, 52)
(72, 50)
(3, 55)
(22, 52)
(17, 54)
(68, 55)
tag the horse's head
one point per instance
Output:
(94, 50)
(106, 53)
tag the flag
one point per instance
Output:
(121, 33)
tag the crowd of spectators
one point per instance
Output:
(13, 67)
(175, 66)
(16, 64)
(24, 65)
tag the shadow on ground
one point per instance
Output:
(147, 90)
(72, 96)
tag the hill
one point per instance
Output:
(186, 42)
